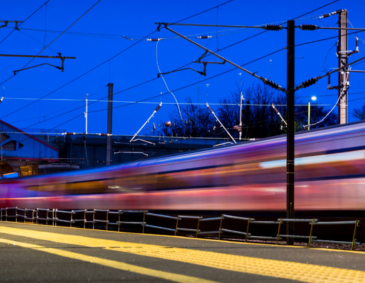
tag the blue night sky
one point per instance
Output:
(99, 37)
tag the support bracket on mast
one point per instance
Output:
(264, 80)
(62, 58)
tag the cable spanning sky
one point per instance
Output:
(113, 26)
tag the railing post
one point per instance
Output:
(85, 218)
(33, 216)
(248, 225)
(55, 217)
(118, 220)
(144, 218)
(16, 214)
(277, 236)
(220, 227)
(197, 229)
(177, 223)
(6, 215)
(72, 212)
(25, 214)
(353, 237)
(310, 234)
(37, 216)
(94, 219)
(47, 216)
(52, 216)
(107, 219)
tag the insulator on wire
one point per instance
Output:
(357, 44)
(338, 11)
(325, 16)
(204, 36)
(273, 27)
(330, 14)
(309, 82)
(329, 82)
(308, 27)
(154, 39)
(158, 107)
(272, 84)
(276, 110)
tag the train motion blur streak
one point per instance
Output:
(329, 165)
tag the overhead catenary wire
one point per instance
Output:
(164, 94)
(130, 37)
(92, 69)
(156, 102)
(181, 88)
(45, 25)
(339, 97)
(153, 79)
(55, 111)
(186, 86)
(325, 117)
(106, 61)
(52, 41)
(316, 9)
(148, 80)
(24, 21)
(31, 37)
(159, 71)
(324, 39)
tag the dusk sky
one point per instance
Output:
(98, 36)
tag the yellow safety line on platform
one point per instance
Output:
(112, 263)
(267, 267)
(195, 239)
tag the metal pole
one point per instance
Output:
(342, 76)
(240, 133)
(2, 133)
(211, 110)
(86, 114)
(309, 115)
(290, 132)
(153, 113)
(109, 126)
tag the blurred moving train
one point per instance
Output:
(250, 176)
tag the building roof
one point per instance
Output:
(33, 137)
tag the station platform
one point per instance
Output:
(37, 253)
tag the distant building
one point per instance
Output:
(21, 153)
(90, 151)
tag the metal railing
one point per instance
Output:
(53, 215)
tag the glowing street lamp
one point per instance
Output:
(313, 98)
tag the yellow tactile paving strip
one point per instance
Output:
(112, 263)
(274, 268)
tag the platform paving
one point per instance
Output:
(39, 253)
